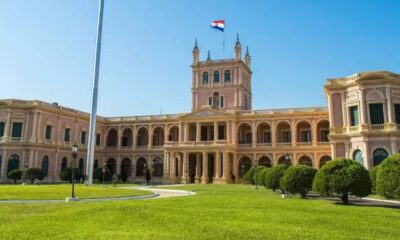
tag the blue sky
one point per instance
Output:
(47, 49)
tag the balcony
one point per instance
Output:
(266, 144)
(284, 143)
(354, 128)
(377, 127)
(304, 143)
(16, 139)
(48, 141)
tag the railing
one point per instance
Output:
(3, 139)
(304, 143)
(48, 141)
(284, 143)
(377, 127)
(16, 139)
(354, 128)
(323, 143)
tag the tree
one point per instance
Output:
(98, 174)
(66, 174)
(343, 177)
(34, 173)
(388, 177)
(15, 175)
(298, 179)
(274, 175)
(250, 175)
(261, 174)
(372, 175)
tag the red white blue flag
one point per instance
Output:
(218, 24)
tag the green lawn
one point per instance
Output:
(216, 212)
(20, 192)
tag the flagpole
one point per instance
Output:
(92, 127)
(223, 42)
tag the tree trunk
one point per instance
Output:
(345, 198)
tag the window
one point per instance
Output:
(2, 129)
(267, 137)
(305, 136)
(354, 116)
(357, 156)
(45, 166)
(48, 132)
(83, 137)
(376, 113)
(221, 132)
(216, 77)
(205, 78)
(67, 134)
(215, 103)
(98, 139)
(222, 102)
(16, 130)
(13, 163)
(396, 113)
(324, 135)
(227, 76)
(286, 138)
(379, 155)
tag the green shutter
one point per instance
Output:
(16, 130)
(376, 113)
(2, 129)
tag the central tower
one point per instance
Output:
(223, 84)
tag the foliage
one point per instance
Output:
(372, 175)
(15, 175)
(261, 174)
(274, 175)
(249, 176)
(34, 173)
(98, 174)
(388, 177)
(298, 179)
(342, 177)
(66, 174)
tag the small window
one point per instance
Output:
(98, 139)
(222, 102)
(16, 130)
(215, 100)
(354, 116)
(227, 76)
(67, 134)
(216, 77)
(2, 129)
(48, 132)
(83, 137)
(205, 78)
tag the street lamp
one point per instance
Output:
(255, 175)
(287, 159)
(242, 172)
(74, 155)
(144, 174)
(25, 167)
(104, 173)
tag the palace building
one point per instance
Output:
(220, 138)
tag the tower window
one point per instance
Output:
(227, 76)
(205, 78)
(216, 77)
(215, 100)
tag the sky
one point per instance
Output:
(47, 49)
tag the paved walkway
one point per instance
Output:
(157, 193)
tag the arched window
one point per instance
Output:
(111, 165)
(244, 165)
(227, 76)
(205, 78)
(285, 159)
(324, 159)
(357, 156)
(379, 155)
(216, 77)
(45, 166)
(157, 167)
(13, 163)
(64, 163)
(216, 100)
(305, 160)
(141, 167)
(265, 161)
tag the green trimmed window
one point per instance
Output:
(16, 130)
(354, 116)
(2, 124)
(216, 77)
(227, 76)
(67, 134)
(376, 113)
(49, 129)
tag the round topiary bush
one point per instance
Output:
(372, 175)
(274, 175)
(34, 173)
(15, 175)
(298, 179)
(98, 174)
(250, 176)
(388, 177)
(342, 177)
(261, 173)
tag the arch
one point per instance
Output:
(263, 133)
(205, 78)
(173, 135)
(265, 161)
(284, 134)
(358, 156)
(285, 159)
(305, 160)
(142, 137)
(64, 163)
(323, 131)
(45, 166)
(303, 132)
(379, 155)
(126, 168)
(158, 136)
(111, 165)
(227, 75)
(244, 165)
(13, 162)
(157, 166)
(112, 137)
(141, 167)
(375, 95)
(323, 160)
(216, 77)
(127, 136)
(244, 133)
(215, 100)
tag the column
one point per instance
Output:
(218, 164)
(150, 135)
(166, 133)
(273, 134)
(198, 132)
(225, 166)
(330, 110)
(253, 134)
(3, 165)
(389, 106)
(344, 111)
(33, 136)
(314, 132)
(134, 142)
(393, 146)
(293, 133)
(236, 167)
(180, 132)
(166, 165)
(119, 138)
(172, 169)
(186, 132)
(185, 168)
(228, 131)
(118, 165)
(362, 107)
(7, 130)
(215, 131)
(198, 167)
(204, 178)
(234, 133)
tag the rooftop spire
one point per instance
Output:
(237, 38)
(195, 45)
(247, 51)
(208, 56)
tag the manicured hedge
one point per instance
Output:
(388, 177)
(274, 175)
(298, 179)
(15, 175)
(34, 173)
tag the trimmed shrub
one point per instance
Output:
(249, 176)
(66, 174)
(34, 173)
(261, 173)
(15, 175)
(98, 174)
(372, 175)
(388, 177)
(343, 177)
(274, 175)
(298, 179)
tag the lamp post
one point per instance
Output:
(144, 174)
(104, 173)
(74, 155)
(287, 159)
(255, 175)
(242, 172)
(25, 167)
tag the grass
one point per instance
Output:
(216, 212)
(34, 192)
